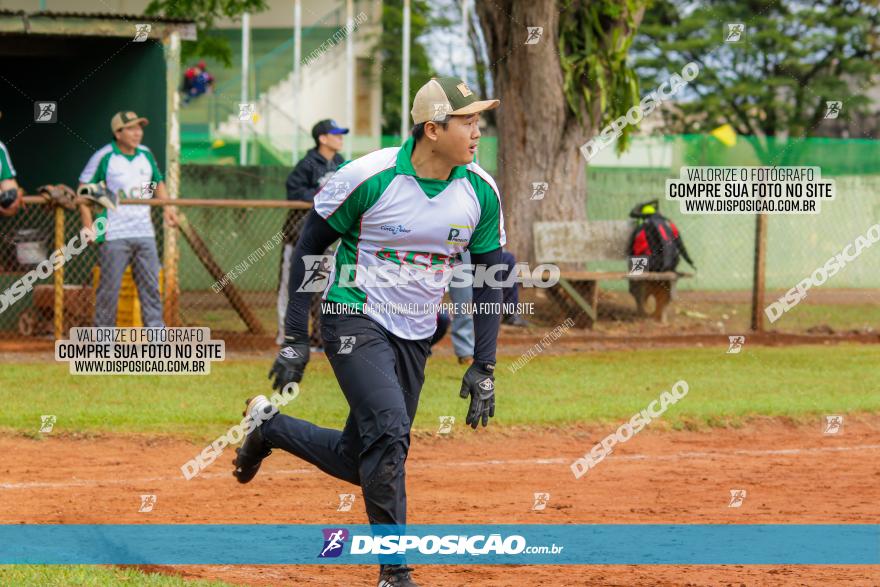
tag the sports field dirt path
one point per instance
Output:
(792, 474)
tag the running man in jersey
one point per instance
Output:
(130, 171)
(417, 206)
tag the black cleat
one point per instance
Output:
(515, 320)
(254, 449)
(395, 576)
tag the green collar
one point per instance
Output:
(405, 167)
(117, 151)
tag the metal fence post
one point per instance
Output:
(759, 273)
(59, 275)
(170, 252)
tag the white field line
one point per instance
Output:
(441, 465)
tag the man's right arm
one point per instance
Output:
(93, 172)
(293, 356)
(335, 213)
(316, 236)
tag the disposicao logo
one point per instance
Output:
(334, 539)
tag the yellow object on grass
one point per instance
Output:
(218, 143)
(725, 134)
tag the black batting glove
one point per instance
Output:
(8, 198)
(479, 383)
(290, 363)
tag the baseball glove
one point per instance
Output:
(98, 192)
(58, 195)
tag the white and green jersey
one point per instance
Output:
(130, 177)
(390, 217)
(7, 171)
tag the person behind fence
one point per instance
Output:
(655, 246)
(10, 193)
(307, 178)
(130, 171)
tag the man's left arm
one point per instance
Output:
(169, 213)
(680, 244)
(479, 379)
(485, 247)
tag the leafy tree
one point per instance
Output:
(773, 84)
(388, 50)
(205, 13)
(556, 93)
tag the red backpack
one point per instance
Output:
(658, 239)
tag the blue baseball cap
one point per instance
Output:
(327, 127)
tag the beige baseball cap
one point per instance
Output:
(447, 96)
(122, 119)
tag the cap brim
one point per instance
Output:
(141, 121)
(338, 131)
(474, 107)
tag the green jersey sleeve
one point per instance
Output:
(157, 175)
(7, 171)
(349, 193)
(96, 168)
(489, 233)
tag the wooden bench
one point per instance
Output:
(577, 243)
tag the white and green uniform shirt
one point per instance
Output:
(388, 216)
(130, 177)
(7, 171)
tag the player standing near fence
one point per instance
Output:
(424, 200)
(130, 172)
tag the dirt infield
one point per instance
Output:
(792, 474)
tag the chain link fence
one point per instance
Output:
(843, 295)
(221, 269)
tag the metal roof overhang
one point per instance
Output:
(91, 24)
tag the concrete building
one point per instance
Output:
(210, 125)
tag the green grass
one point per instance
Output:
(792, 382)
(91, 576)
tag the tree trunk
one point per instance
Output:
(539, 137)
(536, 143)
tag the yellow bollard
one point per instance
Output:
(128, 310)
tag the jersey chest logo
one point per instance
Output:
(459, 234)
(435, 261)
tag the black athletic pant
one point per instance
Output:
(381, 376)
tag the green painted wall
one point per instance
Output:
(91, 78)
